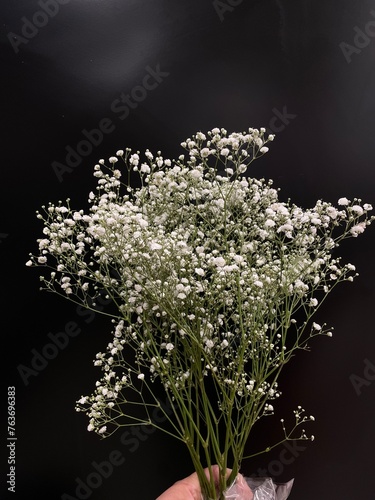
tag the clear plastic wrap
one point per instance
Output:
(266, 489)
(239, 490)
(258, 489)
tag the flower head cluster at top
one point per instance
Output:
(213, 278)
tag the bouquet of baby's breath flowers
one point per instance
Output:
(214, 283)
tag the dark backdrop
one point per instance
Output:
(305, 70)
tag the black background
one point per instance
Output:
(231, 64)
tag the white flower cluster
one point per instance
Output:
(207, 268)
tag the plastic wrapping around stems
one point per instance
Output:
(239, 490)
(266, 489)
(260, 489)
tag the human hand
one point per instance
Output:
(189, 488)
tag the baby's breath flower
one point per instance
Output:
(358, 229)
(343, 201)
(203, 270)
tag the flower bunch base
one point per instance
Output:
(257, 489)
